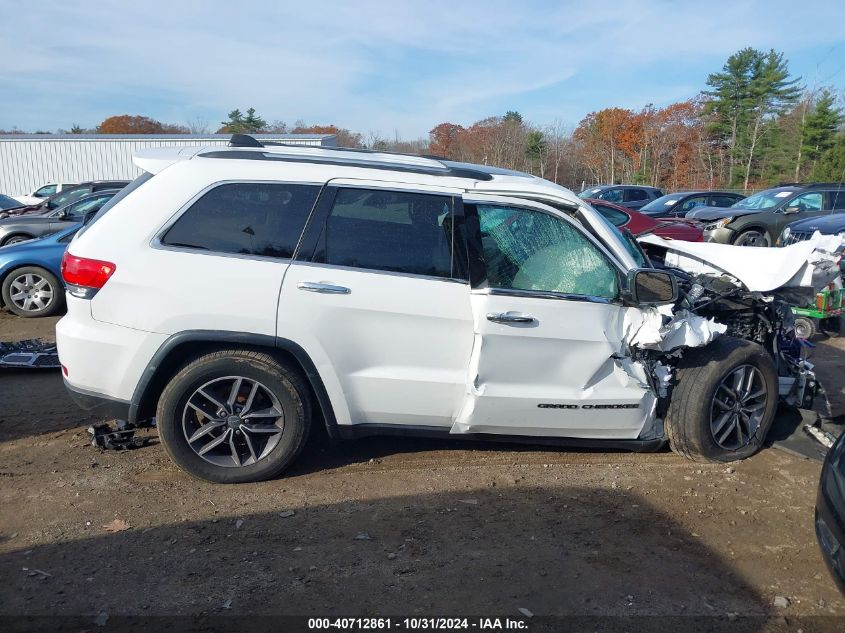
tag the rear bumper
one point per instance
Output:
(98, 403)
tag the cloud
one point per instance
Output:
(373, 65)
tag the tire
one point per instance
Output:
(14, 239)
(689, 423)
(269, 452)
(805, 327)
(832, 326)
(752, 237)
(37, 283)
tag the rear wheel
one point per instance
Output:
(234, 416)
(752, 237)
(33, 292)
(832, 326)
(15, 239)
(724, 403)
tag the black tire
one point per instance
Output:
(284, 382)
(832, 326)
(746, 235)
(14, 239)
(699, 375)
(805, 327)
(56, 302)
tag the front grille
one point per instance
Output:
(796, 237)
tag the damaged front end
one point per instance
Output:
(740, 292)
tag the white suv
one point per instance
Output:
(238, 294)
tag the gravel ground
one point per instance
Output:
(379, 527)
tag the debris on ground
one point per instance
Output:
(781, 602)
(286, 514)
(120, 436)
(118, 525)
(29, 354)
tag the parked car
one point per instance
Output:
(43, 192)
(640, 224)
(678, 204)
(235, 292)
(803, 229)
(7, 202)
(628, 196)
(66, 196)
(26, 227)
(759, 219)
(30, 274)
(830, 512)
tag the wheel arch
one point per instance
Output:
(185, 346)
(18, 234)
(738, 232)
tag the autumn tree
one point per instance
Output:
(345, 137)
(136, 124)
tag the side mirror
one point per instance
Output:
(791, 210)
(648, 286)
(63, 214)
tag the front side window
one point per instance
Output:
(525, 249)
(692, 203)
(245, 218)
(394, 231)
(45, 191)
(79, 210)
(66, 197)
(612, 195)
(808, 201)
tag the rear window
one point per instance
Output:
(246, 219)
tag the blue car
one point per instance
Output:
(30, 274)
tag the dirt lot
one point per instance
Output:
(399, 527)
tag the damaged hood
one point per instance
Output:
(813, 263)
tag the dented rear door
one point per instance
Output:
(548, 357)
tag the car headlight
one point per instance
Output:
(718, 224)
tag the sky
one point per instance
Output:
(391, 68)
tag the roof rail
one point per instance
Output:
(825, 184)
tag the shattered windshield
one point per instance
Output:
(764, 200)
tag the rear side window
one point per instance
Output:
(246, 218)
(633, 195)
(724, 201)
(395, 231)
(617, 218)
(837, 199)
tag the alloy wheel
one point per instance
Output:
(31, 292)
(738, 406)
(233, 421)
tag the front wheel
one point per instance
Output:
(15, 239)
(234, 416)
(724, 403)
(752, 237)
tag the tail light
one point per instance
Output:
(84, 277)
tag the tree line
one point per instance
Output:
(752, 125)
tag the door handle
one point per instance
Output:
(510, 317)
(314, 286)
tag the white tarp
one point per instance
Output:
(759, 269)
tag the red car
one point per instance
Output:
(640, 224)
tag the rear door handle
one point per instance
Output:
(319, 286)
(510, 317)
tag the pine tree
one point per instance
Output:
(819, 130)
(831, 166)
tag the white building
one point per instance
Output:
(28, 161)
